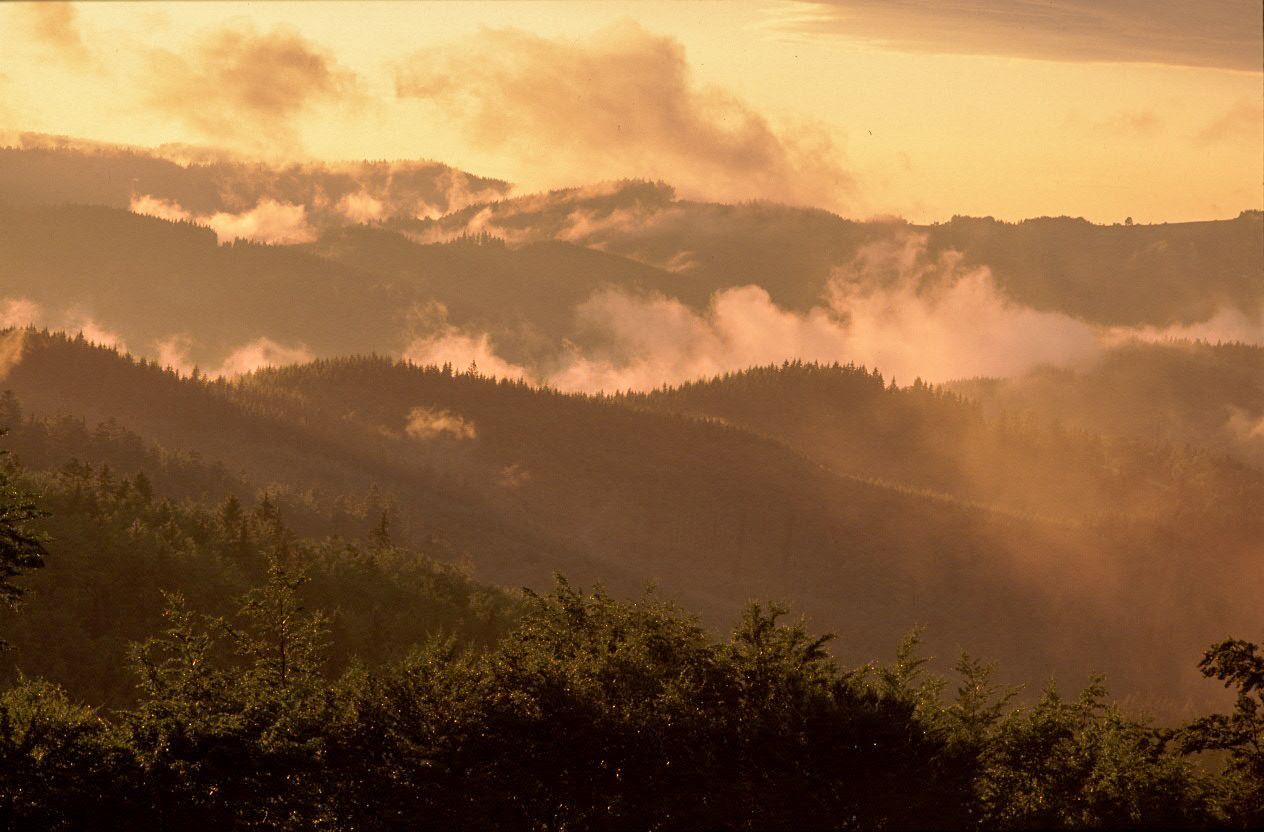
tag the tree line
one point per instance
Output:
(584, 712)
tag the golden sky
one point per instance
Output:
(1094, 108)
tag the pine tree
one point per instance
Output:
(21, 547)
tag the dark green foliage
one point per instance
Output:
(591, 713)
(1082, 764)
(21, 546)
(115, 549)
(1239, 664)
(230, 728)
(61, 765)
(709, 509)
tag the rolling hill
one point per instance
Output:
(528, 481)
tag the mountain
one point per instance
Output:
(356, 290)
(1024, 459)
(1118, 275)
(1177, 392)
(529, 481)
(50, 170)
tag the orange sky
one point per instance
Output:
(1098, 109)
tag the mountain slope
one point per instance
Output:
(926, 437)
(530, 481)
(1124, 275)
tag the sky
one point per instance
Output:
(1097, 108)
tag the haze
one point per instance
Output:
(792, 415)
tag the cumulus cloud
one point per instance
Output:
(427, 423)
(620, 104)
(1220, 33)
(245, 87)
(277, 223)
(56, 26)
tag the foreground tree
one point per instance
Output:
(1240, 734)
(21, 547)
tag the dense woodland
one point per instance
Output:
(275, 683)
(615, 490)
(329, 594)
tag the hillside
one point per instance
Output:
(1110, 275)
(527, 481)
(52, 170)
(1032, 458)
(1178, 392)
(152, 282)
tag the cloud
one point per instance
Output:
(892, 307)
(56, 26)
(361, 207)
(173, 352)
(163, 209)
(19, 313)
(462, 350)
(1218, 33)
(22, 312)
(1245, 427)
(93, 332)
(1226, 325)
(427, 423)
(11, 345)
(619, 104)
(1134, 123)
(1243, 123)
(260, 353)
(276, 223)
(279, 223)
(244, 87)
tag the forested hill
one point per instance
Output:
(356, 290)
(1178, 392)
(1109, 274)
(1033, 455)
(51, 170)
(527, 481)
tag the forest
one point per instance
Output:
(259, 680)
(381, 495)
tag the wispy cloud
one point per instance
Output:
(1216, 33)
(56, 26)
(619, 104)
(245, 88)
(1244, 122)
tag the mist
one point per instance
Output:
(478, 415)
(269, 221)
(893, 307)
